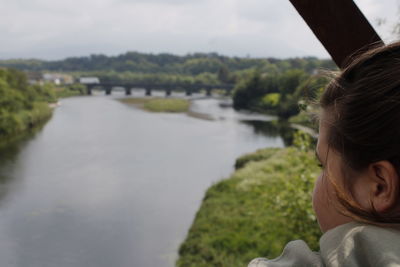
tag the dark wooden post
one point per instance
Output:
(339, 25)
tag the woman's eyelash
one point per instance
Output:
(320, 165)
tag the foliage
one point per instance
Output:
(303, 141)
(43, 93)
(262, 206)
(70, 90)
(303, 118)
(279, 94)
(191, 64)
(271, 100)
(22, 106)
(259, 155)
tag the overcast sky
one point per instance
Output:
(55, 29)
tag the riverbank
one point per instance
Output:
(264, 204)
(17, 125)
(173, 105)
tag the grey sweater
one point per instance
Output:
(351, 244)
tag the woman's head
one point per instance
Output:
(359, 144)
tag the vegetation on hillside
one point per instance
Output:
(262, 206)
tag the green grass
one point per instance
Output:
(263, 205)
(174, 105)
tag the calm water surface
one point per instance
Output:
(106, 184)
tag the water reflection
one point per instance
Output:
(9, 153)
(273, 129)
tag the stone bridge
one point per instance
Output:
(168, 88)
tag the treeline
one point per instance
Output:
(24, 106)
(282, 94)
(191, 64)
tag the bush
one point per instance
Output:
(71, 90)
(270, 100)
(22, 106)
(279, 94)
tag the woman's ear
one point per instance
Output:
(384, 186)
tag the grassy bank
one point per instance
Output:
(17, 126)
(263, 205)
(14, 124)
(159, 104)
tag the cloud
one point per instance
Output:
(57, 29)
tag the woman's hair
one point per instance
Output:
(363, 103)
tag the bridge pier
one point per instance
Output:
(168, 92)
(128, 91)
(148, 92)
(89, 90)
(188, 92)
(108, 90)
(208, 92)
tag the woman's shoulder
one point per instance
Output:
(296, 253)
(351, 244)
(356, 244)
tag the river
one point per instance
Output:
(106, 184)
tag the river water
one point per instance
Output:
(107, 184)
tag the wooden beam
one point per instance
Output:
(339, 25)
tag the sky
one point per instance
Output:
(56, 29)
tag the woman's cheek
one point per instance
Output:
(323, 197)
(317, 201)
